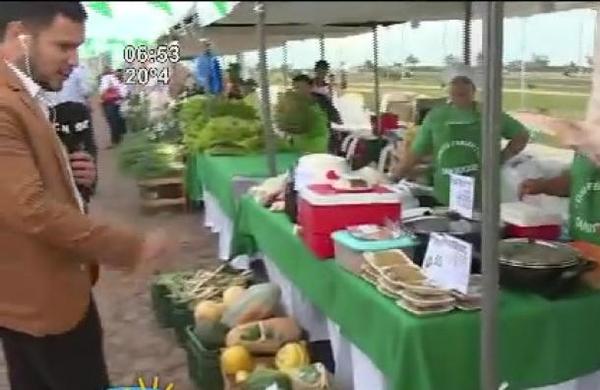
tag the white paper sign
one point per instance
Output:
(447, 262)
(462, 194)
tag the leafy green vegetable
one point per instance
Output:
(142, 157)
(191, 109)
(309, 374)
(137, 114)
(294, 113)
(218, 125)
(262, 379)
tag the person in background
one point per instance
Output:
(208, 71)
(249, 87)
(234, 82)
(316, 140)
(49, 325)
(452, 134)
(180, 77)
(75, 89)
(320, 84)
(112, 93)
(581, 183)
(333, 116)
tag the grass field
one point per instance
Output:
(550, 93)
(553, 94)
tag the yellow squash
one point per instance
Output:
(232, 294)
(241, 376)
(292, 356)
(235, 359)
(208, 311)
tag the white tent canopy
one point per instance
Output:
(228, 41)
(380, 12)
(297, 20)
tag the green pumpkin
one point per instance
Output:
(263, 378)
(211, 334)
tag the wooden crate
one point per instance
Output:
(163, 192)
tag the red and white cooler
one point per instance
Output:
(323, 210)
(527, 221)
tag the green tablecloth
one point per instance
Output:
(542, 342)
(193, 184)
(216, 173)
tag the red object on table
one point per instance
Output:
(388, 120)
(322, 211)
(549, 232)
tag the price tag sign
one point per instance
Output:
(447, 262)
(462, 194)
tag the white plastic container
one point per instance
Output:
(526, 215)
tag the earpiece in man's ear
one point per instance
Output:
(23, 39)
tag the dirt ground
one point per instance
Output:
(134, 345)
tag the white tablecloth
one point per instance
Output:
(218, 222)
(354, 370)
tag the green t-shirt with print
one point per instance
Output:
(453, 136)
(584, 208)
(316, 140)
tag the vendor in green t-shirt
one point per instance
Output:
(316, 140)
(451, 133)
(582, 184)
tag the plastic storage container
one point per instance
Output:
(204, 365)
(527, 221)
(322, 211)
(349, 249)
(181, 317)
(160, 304)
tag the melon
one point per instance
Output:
(257, 303)
(211, 334)
(208, 311)
(232, 294)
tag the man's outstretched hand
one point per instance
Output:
(157, 253)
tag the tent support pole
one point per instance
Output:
(523, 61)
(259, 8)
(467, 33)
(490, 174)
(377, 91)
(285, 65)
(322, 46)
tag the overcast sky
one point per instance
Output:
(562, 36)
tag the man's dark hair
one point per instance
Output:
(39, 13)
(302, 78)
(463, 80)
(321, 64)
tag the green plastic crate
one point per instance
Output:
(161, 304)
(204, 365)
(181, 317)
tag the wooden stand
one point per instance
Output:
(163, 193)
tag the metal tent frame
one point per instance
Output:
(492, 108)
(492, 14)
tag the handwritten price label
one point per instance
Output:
(462, 194)
(447, 262)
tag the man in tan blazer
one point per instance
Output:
(49, 325)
